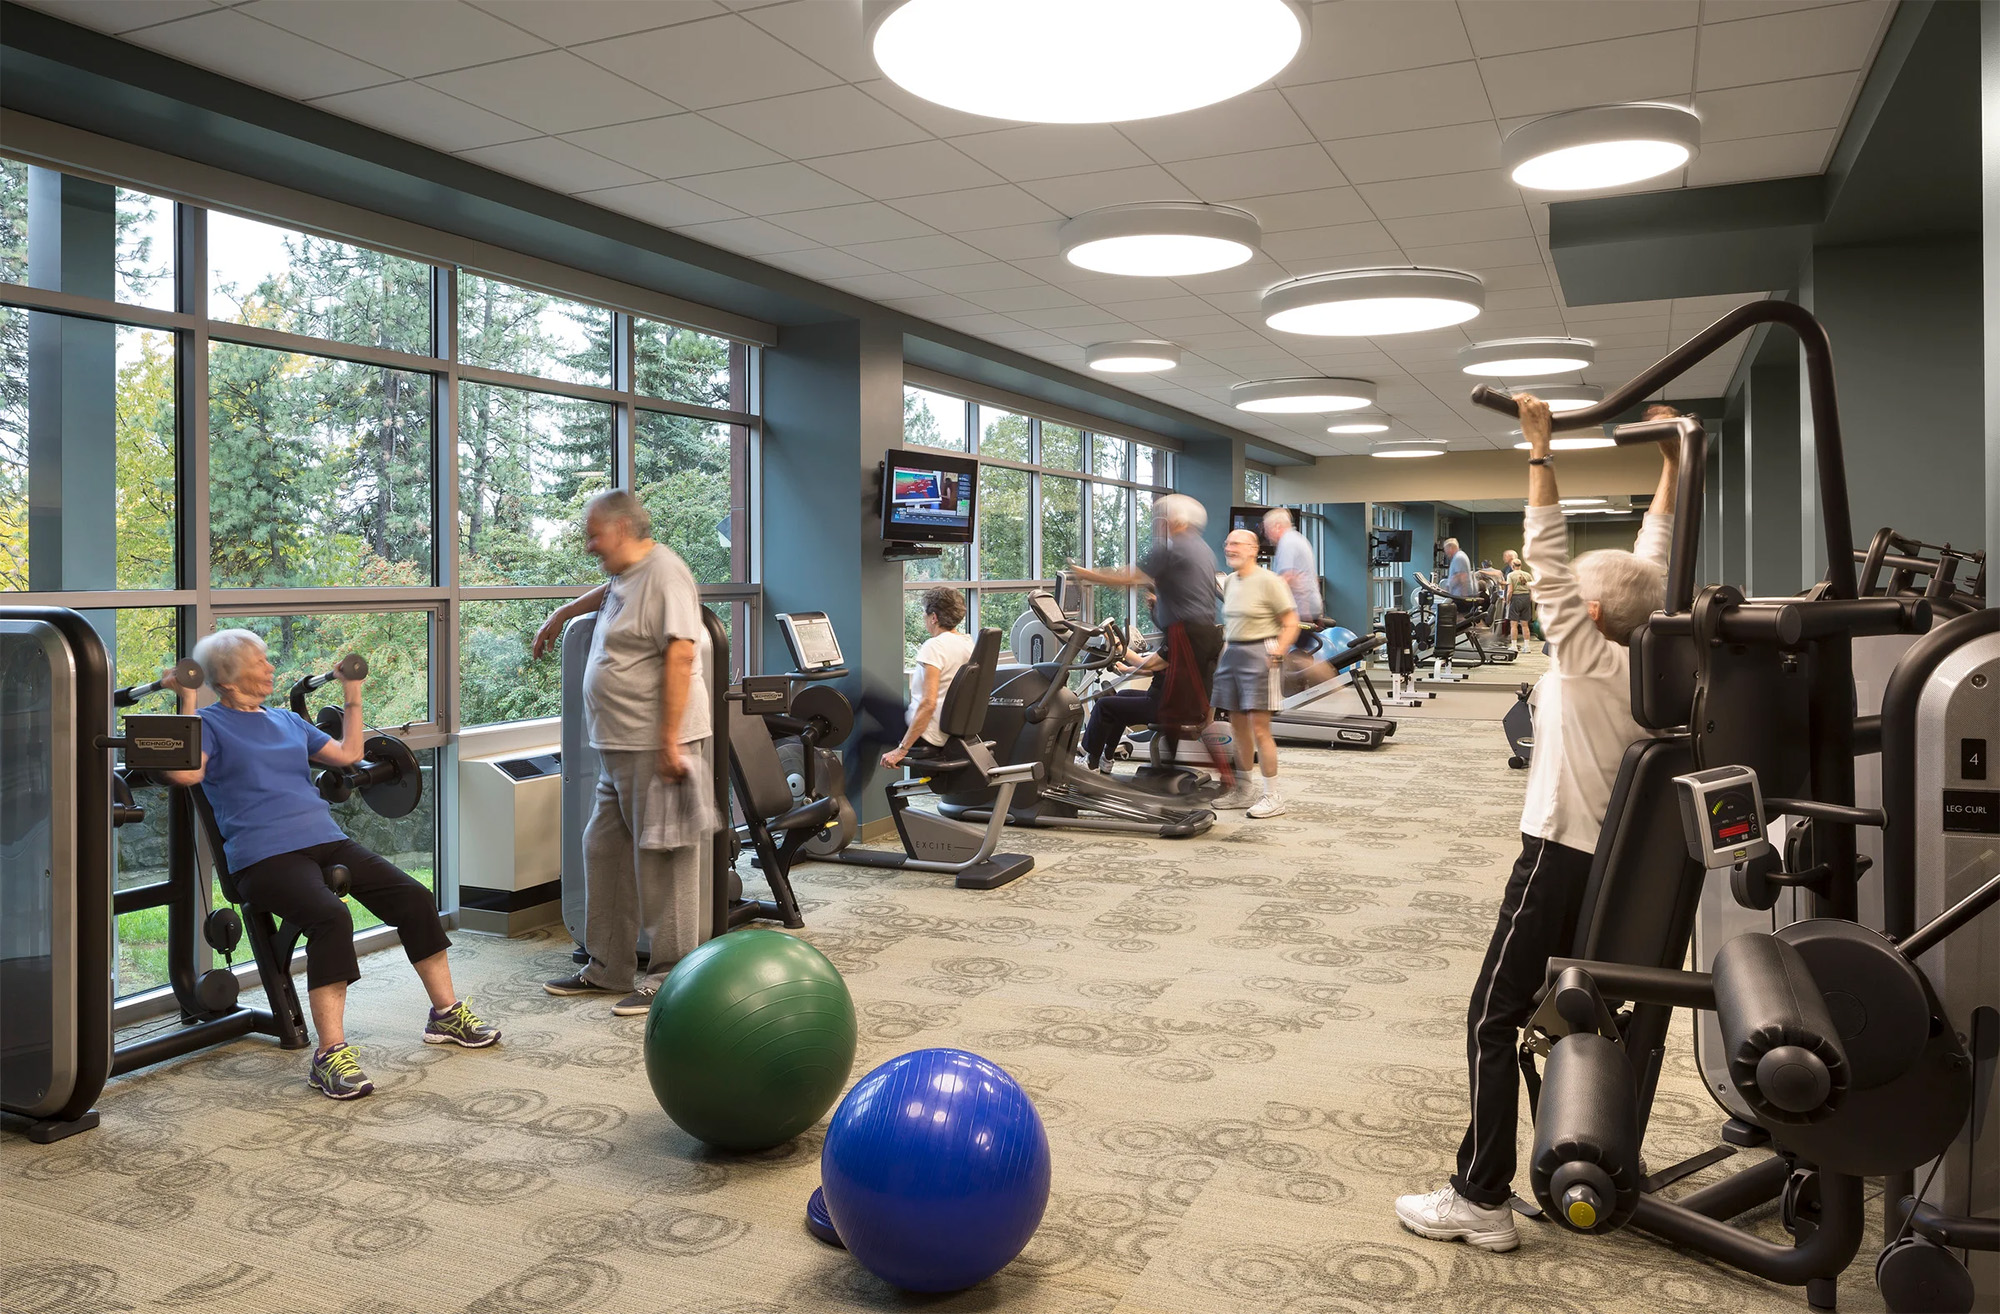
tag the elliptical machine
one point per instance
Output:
(1035, 716)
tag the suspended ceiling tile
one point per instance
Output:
(1015, 241)
(1423, 230)
(821, 262)
(831, 120)
(1799, 44)
(1257, 120)
(879, 287)
(553, 91)
(1604, 72)
(830, 34)
(754, 237)
(911, 253)
(977, 207)
(716, 61)
(979, 324)
(555, 164)
(1331, 241)
(241, 47)
(1253, 275)
(916, 169)
(929, 114)
(1307, 266)
(661, 203)
(677, 146)
(1507, 27)
(772, 189)
(1012, 300)
(1761, 157)
(1077, 193)
(982, 277)
(1050, 150)
(410, 37)
(418, 113)
(1454, 149)
(116, 16)
(1258, 173)
(1441, 194)
(931, 307)
(1377, 36)
(845, 225)
(573, 22)
(1774, 108)
(1525, 298)
(1318, 208)
(1392, 102)
(1054, 317)
(1476, 256)
(1726, 11)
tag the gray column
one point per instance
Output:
(1906, 322)
(1771, 495)
(72, 389)
(833, 404)
(1734, 466)
(1212, 474)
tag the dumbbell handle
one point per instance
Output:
(187, 674)
(352, 667)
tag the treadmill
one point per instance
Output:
(1342, 711)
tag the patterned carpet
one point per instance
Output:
(1243, 1046)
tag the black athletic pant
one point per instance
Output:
(1538, 915)
(292, 887)
(880, 721)
(1115, 713)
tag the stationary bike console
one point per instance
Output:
(1722, 816)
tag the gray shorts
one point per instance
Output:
(1243, 678)
(1520, 607)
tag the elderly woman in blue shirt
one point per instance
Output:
(279, 837)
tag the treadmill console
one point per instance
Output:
(1722, 816)
(1069, 595)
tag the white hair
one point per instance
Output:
(1451, 545)
(223, 655)
(1278, 515)
(1625, 588)
(1180, 509)
(620, 504)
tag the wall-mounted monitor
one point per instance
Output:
(1252, 519)
(1386, 547)
(928, 497)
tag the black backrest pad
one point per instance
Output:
(213, 834)
(1663, 678)
(1638, 906)
(758, 772)
(971, 689)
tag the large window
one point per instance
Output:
(345, 449)
(1049, 494)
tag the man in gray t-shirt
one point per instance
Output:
(1292, 561)
(644, 697)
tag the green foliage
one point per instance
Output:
(1003, 435)
(1003, 523)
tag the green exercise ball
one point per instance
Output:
(750, 1040)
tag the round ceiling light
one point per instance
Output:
(1373, 303)
(1358, 426)
(1570, 442)
(1065, 61)
(1302, 396)
(1606, 146)
(1582, 501)
(1528, 358)
(1132, 357)
(1569, 397)
(1399, 451)
(1161, 239)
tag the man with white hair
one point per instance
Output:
(1583, 725)
(1180, 569)
(650, 726)
(1292, 561)
(1457, 571)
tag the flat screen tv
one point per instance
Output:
(1388, 546)
(928, 497)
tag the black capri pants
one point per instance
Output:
(292, 887)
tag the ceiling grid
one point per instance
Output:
(763, 127)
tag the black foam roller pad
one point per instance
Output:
(1785, 1056)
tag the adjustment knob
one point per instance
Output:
(1581, 1207)
(1793, 1079)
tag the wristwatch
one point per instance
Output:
(1550, 459)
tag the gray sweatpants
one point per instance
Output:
(628, 889)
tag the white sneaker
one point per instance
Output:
(1268, 806)
(1444, 1215)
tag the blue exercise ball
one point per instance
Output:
(935, 1170)
(1334, 638)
